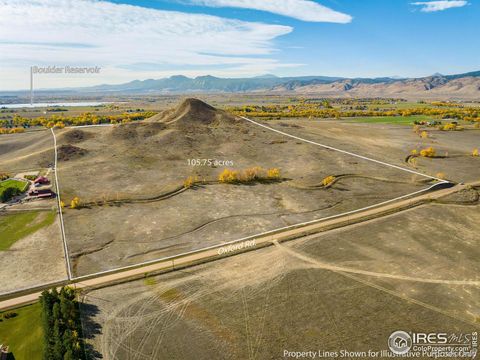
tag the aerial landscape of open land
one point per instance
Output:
(412, 270)
(138, 185)
(239, 179)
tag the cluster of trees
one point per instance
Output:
(11, 188)
(427, 152)
(249, 175)
(4, 176)
(61, 325)
(14, 130)
(62, 120)
(320, 111)
(8, 193)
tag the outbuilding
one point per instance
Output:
(41, 180)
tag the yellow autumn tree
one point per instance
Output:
(252, 174)
(228, 176)
(428, 152)
(75, 203)
(190, 181)
(328, 180)
(475, 152)
(273, 174)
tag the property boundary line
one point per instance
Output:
(250, 237)
(342, 151)
(72, 278)
(62, 225)
(149, 262)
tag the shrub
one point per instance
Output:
(328, 180)
(9, 315)
(273, 174)
(451, 127)
(249, 175)
(428, 152)
(424, 134)
(228, 176)
(475, 152)
(190, 181)
(252, 174)
(75, 203)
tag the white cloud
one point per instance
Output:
(431, 6)
(83, 32)
(305, 10)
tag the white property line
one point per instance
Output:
(250, 237)
(149, 262)
(343, 151)
(62, 226)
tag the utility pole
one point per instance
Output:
(31, 85)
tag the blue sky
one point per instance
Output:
(144, 39)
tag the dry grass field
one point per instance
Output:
(393, 144)
(345, 289)
(135, 207)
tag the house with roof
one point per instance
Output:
(41, 180)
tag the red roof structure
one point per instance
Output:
(42, 180)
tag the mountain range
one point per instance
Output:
(464, 86)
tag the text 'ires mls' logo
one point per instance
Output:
(400, 342)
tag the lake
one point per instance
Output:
(43, 105)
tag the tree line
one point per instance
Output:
(61, 325)
(20, 122)
(325, 110)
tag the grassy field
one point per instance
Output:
(23, 333)
(14, 227)
(20, 185)
(397, 120)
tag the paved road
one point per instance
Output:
(213, 253)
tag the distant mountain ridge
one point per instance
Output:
(458, 85)
(180, 83)
(466, 85)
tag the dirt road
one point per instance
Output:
(227, 249)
